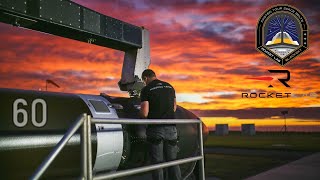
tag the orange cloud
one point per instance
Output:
(201, 48)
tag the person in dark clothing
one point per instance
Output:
(158, 101)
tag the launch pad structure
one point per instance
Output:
(70, 20)
(86, 163)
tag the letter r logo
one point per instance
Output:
(283, 81)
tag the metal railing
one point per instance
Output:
(86, 148)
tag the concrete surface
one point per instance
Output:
(307, 168)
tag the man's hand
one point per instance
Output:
(144, 110)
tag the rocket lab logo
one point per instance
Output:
(282, 80)
(282, 33)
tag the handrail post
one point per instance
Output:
(57, 149)
(89, 147)
(202, 173)
(84, 150)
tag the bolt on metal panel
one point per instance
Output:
(91, 21)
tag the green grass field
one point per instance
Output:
(275, 140)
(227, 166)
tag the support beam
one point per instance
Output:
(134, 63)
(70, 20)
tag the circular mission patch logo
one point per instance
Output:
(282, 33)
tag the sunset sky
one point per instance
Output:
(204, 48)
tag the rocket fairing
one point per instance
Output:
(33, 122)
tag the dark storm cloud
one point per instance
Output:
(218, 98)
(26, 75)
(198, 56)
(262, 113)
(107, 56)
(228, 96)
(70, 54)
(310, 8)
(223, 32)
(237, 38)
(176, 4)
(25, 47)
(16, 52)
(79, 76)
(240, 49)
(309, 66)
(165, 62)
(246, 71)
(213, 69)
(145, 5)
(249, 90)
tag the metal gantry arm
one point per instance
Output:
(71, 20)
(86, 150)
